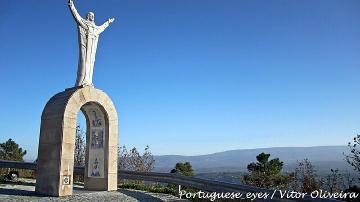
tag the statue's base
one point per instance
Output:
(77, 87)
(55, 165)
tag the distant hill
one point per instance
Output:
(322, 157)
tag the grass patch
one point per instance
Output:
(155, 188)
(2, 179)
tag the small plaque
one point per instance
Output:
(66, 180)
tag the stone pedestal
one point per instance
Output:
(55, 163)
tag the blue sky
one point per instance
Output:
(192, 77)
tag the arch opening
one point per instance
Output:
(96, 141)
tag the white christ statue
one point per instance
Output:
(88, 33)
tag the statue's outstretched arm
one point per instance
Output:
(106, 24)
(75, 14)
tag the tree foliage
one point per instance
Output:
(305, 177)
(266, 173)
(335, 181)
(132, 160)
(80, 147)
(354, 158)
(183, 169)
(11, 151)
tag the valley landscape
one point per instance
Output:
(230, 165)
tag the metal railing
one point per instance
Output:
(197, 183)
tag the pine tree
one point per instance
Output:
(183, 168)
(266, 173)
(11, 151)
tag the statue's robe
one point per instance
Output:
(88, 40)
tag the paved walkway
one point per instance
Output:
(25, 191)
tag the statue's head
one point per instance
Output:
(90, 16)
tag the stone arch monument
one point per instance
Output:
(55, 164)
